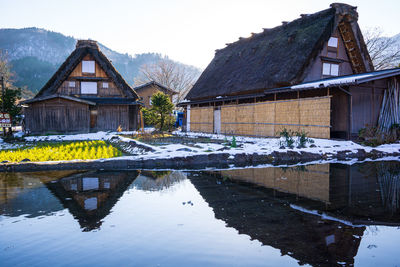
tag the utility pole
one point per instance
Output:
(2, 94)
(2, 101)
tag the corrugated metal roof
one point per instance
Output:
(348, 80)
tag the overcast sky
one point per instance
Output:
(187, 31)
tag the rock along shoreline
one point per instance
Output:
(202, 161)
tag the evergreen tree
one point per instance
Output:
(159, 114)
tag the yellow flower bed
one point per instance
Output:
(62, 151)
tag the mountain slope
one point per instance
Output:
(35, 54)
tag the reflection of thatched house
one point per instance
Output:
(270, 219)
(90, 196)
(352, 189)
(312, 74)
(85, 94)
(145, 91)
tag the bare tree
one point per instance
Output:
(174, 75)
(5, 71)
(384, 51)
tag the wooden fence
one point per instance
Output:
(311, 115)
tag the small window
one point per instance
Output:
(88, 66)
(71, 84)
(88, 88)
(105, 85)
(150, 103)
(330, 69)
(333, 42)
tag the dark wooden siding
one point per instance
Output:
(57, 115)
(133, 118)
(366, 104)
(109, 117)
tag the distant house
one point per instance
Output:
(313, 74)
(145, 91)
(85, 94)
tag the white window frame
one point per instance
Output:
(333, 42)
(71, 84)
(88, 88)
(150, 103)
(330, 69)
(88, 66)
(105, 85)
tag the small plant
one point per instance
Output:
(287, 136)
(233, 144)
(302, 139)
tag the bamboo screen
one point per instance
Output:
(313, 182)
(202, 119)
(311, 115)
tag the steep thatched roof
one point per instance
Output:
(83, 48)
(276, 57)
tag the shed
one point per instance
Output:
(145, 91)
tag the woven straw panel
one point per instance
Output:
(202, 119)
(312, 182)
(270, 118)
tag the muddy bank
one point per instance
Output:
(219, 160)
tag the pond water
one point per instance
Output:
(318, 215)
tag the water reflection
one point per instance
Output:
(89, 196)
(315, 214)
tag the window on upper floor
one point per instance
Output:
(105, 85)
(88, 66)
(330, 69)
(333, 42)
(71, 84)
(88, 88)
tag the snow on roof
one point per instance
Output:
(350, 79)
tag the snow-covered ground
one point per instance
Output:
(247, 145)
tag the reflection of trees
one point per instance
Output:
(158, 180)
(388, 175)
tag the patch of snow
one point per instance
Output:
(331, 82)
(324, 216)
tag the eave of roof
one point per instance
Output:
(112, 100)
(76, 99)
(318, 84)
(347, 80)
(154, 83)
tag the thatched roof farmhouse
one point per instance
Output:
(85, 94)
(249, 88)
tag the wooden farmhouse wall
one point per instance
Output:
(57, 115)
(110, 117)
(313, 182)
(311, 115)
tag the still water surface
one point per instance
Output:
(318, 215)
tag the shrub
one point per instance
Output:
(287, 136)
(302, 139)
(233, 144)
(373, 136)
